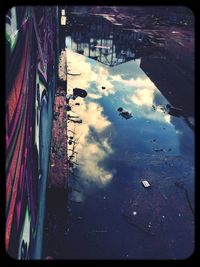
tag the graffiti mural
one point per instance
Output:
(31, 57)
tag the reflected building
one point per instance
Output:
(100, 39)
(103, 39)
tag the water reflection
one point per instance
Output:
(110, 46)
(103, 134)
(93, 145)
(143, 97)
(101, 38)
(110, 155)
(92, 75)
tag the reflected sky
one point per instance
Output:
(110, 214)
(104, 135)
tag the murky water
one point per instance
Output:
(111, 215)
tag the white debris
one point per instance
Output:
(149, 225)
(134, 213)
(104, 197)
(145, 183)
(163, 216)
(63, 20)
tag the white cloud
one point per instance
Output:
(92, 152)
(138, 82)
(143, 97)
(92, 77)
(93, 117)
(126, 101)
(91, 155)
(167, 118)
(94, 96)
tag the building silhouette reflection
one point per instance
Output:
(101, 40)
(110, 43)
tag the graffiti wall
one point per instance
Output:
(31, 69)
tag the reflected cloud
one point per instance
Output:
(92, 115)
(93, 145)
(92, 76)
(90, 160)
(93, 148)
(94, 96)
(167, 118)
(92, 151)
(138, 82)
(126, 101)
(157, 116)
(143, 97)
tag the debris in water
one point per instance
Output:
(154, 108)
(175, 111)
(70, 142)
(125, 114)
(135, 213)
(120, 109)
(145, 183)
(159, 149)
(168, 106)
(68, 108)
(79, 92)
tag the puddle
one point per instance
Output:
(110, 154)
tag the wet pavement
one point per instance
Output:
(109, 213)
